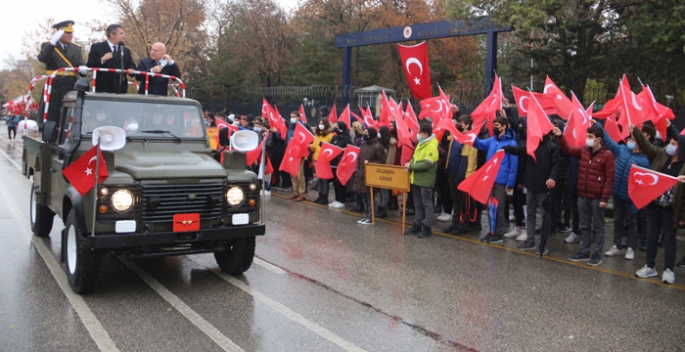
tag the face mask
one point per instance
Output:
(671, 150)
(590, 143)
(321, 127)
(419, 138)
(461, 128)
(631, 145)
(353, 135)
(258, 129)
(496, 130)
(206, 123)
(236, 122)
(293, 120)
(366, 137)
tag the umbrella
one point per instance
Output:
(546, 223)
(492, 212)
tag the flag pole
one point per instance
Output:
(95, 187)
(260, 177)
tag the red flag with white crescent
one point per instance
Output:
(347, 164)
(479, 184)
(333, 116)
(487, 110)
(291, 159)
(578, 123)
(81, 173)
(538, 125)
(303, 116)
(432, 107)
(386, 113)
(302, 136)
(367, 117)
(646, 185)
(327, 153)
(523, 100)
(275, 119)
(416, 69)
(562, 103)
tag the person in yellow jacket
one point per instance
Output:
(424, 168)
(323, 134)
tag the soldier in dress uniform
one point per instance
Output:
(56, 53)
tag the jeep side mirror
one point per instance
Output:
(49, 131)
(223, 137)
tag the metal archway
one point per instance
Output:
(432, 30)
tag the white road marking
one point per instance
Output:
(268, 266)
(92, 324)
(312, 326)
(213, 333)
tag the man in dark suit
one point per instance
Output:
(111, 54)
(158, 62)
(57, 53)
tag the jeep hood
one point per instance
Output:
(165, 165)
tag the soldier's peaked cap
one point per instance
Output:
(67, 26)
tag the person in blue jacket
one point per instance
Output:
(506, 177)
(625, 212)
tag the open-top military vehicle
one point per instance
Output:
(165, 194)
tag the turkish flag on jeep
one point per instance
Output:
(81, 173)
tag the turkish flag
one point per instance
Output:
(333, 116)
(367, 117)
(448, 125)
(386, 113)
(81, 172)
(632, 106)
(561, 101)
(345, 116)
(327, 153)
(523, 100)
(479, 184)
(411, 121)
(654, 111)
(645, 185)
(255, 155)
(610, 107)
(403, 132)
(275, 119)
(447, 113)
(487, 110)
(347, 164)
(292, 158)
(538, 125)
(470, 136)
(406, 154)
(303, 116)
(578, 123)
(304, 137)
(223, 124)
(611, 127)
(416, 69)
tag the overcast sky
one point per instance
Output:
(20, 17)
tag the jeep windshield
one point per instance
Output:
(143, 119)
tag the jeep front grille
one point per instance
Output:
(161, 201)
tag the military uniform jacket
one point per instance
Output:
(52, 60)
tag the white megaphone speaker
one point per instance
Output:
(244, 140)
(111, 138)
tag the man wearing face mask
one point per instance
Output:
(625, 213)
(506, 176)
(667, 211)
(299, 182)
(462, 161)
(596, 172)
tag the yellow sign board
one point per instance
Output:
(387, 176)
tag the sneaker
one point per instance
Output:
(444, 217)
(613, 251)
(339, 205)
(267, 193)
(668, 277)
(681, 264)
(495, 239)
(580, 257)
(332, 204)
(512, 218)
(526, 245)
(595, 260)
(513, 233)
(646, 272)
(366, 222)
(563, 228)
(361, 220)
(572, 238)
(630, 254)
(537, 251)
(523, 236)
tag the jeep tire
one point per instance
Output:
(41, 216)
(237, 257)
(83, 263)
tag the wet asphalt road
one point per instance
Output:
(325, 283)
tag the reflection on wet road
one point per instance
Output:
(324, 283)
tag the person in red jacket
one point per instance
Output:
(595, 180)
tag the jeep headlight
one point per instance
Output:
(235, 196)
(122, 200)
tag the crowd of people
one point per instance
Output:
(570, 185)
